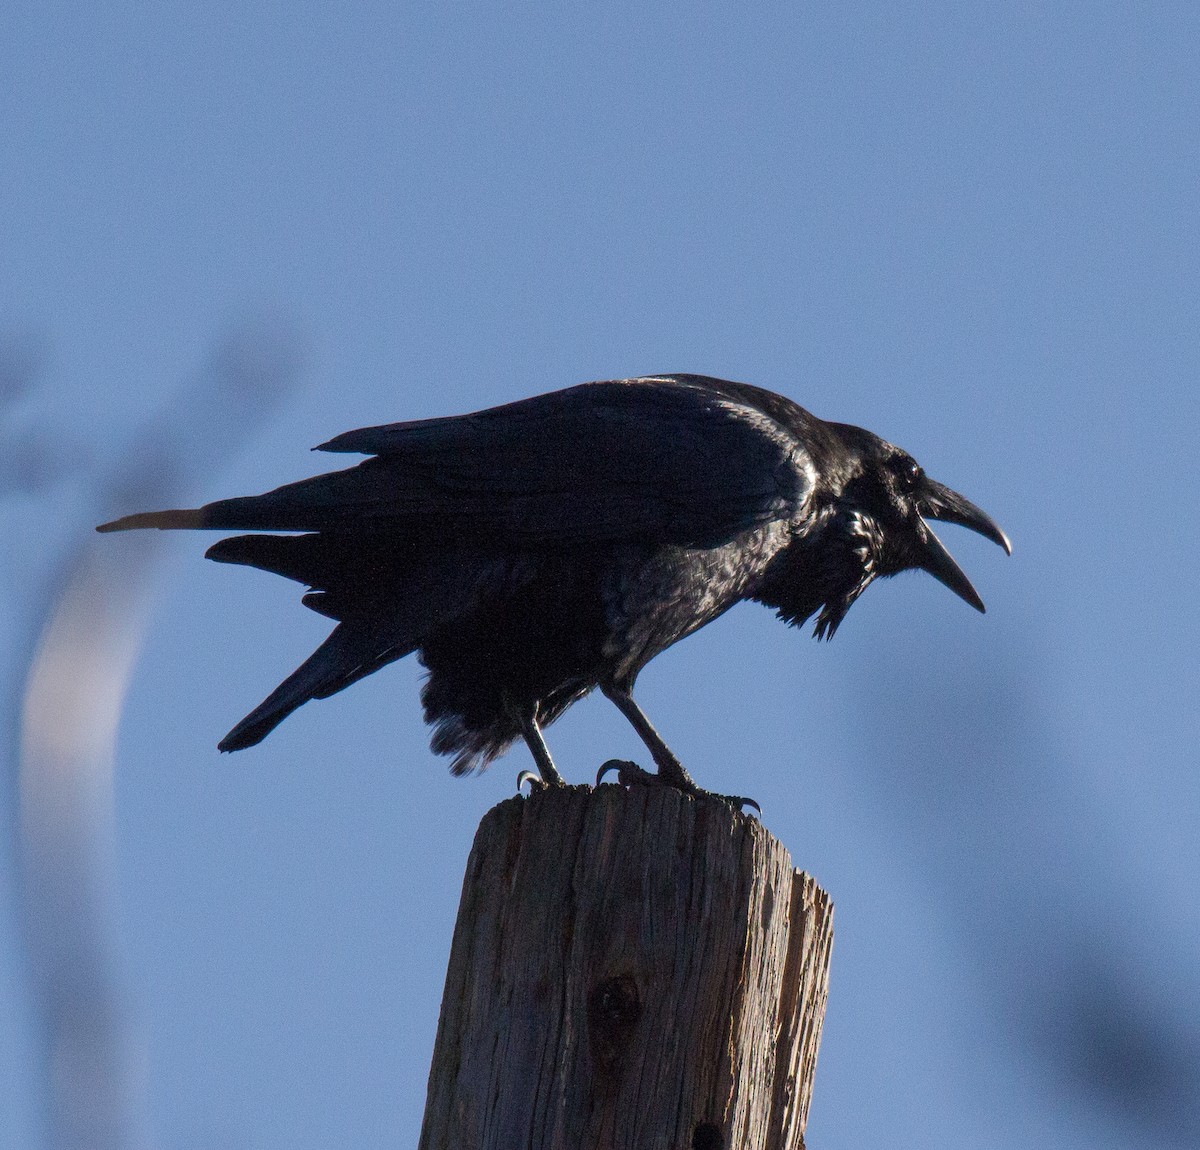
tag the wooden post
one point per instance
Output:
(631, 970)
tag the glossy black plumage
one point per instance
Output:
(532, 552)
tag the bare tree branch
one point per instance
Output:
(80, 632)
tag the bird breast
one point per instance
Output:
(654, 599)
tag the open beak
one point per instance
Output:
(940, 564)
(939, 502)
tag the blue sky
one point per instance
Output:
(970, 228)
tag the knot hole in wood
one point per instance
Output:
(707, 1136)
(613, 1010)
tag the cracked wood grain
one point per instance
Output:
(630, 970)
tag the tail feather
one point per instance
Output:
(348, 576)
(246, 513)
(304, 558)
(164, 520)
(345, 657)
(321, 502)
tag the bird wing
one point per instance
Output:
(665, 459)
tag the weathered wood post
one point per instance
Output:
(631, 970)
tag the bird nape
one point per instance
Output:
(532, 552)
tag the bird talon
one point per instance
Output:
(628, 773)
(734, 801)
(535, 781)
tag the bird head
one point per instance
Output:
(883, 507)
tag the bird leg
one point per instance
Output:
(671, 772)
(547, 775)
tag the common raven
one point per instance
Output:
(532, 552)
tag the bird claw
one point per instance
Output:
(535, 781)
(627, 773)
(630, 774)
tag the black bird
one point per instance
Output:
(532, 552)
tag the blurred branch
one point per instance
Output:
(21, 359)
(82, 627)
(31, 459)
(1078, 977)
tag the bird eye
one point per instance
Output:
(911, 473)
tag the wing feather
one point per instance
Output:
(662, 459)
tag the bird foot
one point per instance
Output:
(630, 775)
